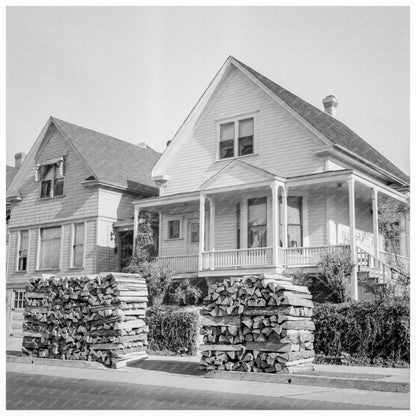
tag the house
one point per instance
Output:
(69, 201)
(258, 180)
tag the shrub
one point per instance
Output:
(173, 331)
(374, 332)
(336, 274)
(185, 292)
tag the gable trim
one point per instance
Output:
(264, 173)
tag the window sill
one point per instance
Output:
(20, 271)
(173, 239)
(236, 157)
(48, 270)
(76, 268)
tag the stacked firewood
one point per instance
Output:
(95, 318)
(257, 323)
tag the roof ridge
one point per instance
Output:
(103, 134)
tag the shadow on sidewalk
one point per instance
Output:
(167, 366)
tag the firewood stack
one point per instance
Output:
(257, 323)
(95, 318)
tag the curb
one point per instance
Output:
(316, 380)
(56, 362)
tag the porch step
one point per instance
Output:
(277, 276)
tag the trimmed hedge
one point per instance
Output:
(375, 332)
(173, 331)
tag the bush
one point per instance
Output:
(187, 293)
(336, 274)
(173, 331)
(374, 332)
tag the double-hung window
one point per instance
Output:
(50, 248)
(257, 222)
(23, 247)
(174, 227)
(78, 237)
(236, 138)
(52, 179)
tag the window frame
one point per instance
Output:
(72, 247)
(52, 181)
(19, 242)
(17, 298)
(168, 221)
(236, 120)
(39, 251)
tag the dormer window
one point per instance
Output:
(51, 176)
(236, 138)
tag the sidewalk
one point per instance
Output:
(183, 372)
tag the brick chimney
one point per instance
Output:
(330, 105)
(18, 159)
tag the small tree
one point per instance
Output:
(336, 275)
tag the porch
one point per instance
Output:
(271, 225)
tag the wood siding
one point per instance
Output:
(284, 146)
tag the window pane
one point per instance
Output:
(174, 229)
(24, 239)
(194, 233)
(257, 237)
(257, 211)
(79, 234)
(294, 235)
(50, 248)
(58, 188)
(245, 146)
(226, 149)
(78, 255)
(246, 128)
(294, 204)
(227, 131)
(45, 189)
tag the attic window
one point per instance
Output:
(236, 138)
(51, 176)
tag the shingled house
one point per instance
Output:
(258, 180)
(69, 201)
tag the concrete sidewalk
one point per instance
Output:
(344, 377)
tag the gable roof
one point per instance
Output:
(10, 174)
(334, 130)
(335, 133)
(110, 160)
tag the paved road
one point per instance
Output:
(45, 392)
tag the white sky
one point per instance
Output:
(136, 72)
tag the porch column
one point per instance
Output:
(159, 249)
(374, 197)
(275, 221)
(243, 223)
(212, 223)
(201, 245)
(284, 216)
(351, 200)
(135, 226)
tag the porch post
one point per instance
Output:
(211, 223)
(275, 221)
(202, 199)
(351, 200)
(135, 226)
(284, 216)
(159, 249)
(374, 197)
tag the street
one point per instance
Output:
(25, 391)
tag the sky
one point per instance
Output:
(136, 72)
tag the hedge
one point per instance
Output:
(173, 331)
(372, 331)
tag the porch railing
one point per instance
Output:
(308, 256)
(226, 259)
(376, 268)
(400, 263)
(180, 264)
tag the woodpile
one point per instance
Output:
(257, 323)
(95, 318)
